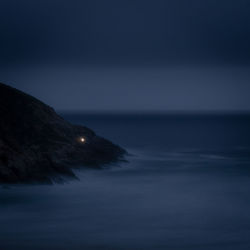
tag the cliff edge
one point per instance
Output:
(36, 144)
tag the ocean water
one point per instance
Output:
(186, 185)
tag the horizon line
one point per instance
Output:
(156, 112)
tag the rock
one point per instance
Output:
(36, 144)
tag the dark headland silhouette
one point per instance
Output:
(36, 144)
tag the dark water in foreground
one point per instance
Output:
(187, 186)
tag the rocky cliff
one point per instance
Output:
(36, 144)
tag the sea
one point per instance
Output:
(185, 184)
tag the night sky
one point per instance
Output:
(128, 55)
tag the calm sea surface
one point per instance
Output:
(186, 186)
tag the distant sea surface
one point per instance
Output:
(186, 186)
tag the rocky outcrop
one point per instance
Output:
(36, 144)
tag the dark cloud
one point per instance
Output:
(125, 31)
(128, 54)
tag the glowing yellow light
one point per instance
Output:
(82, 139)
